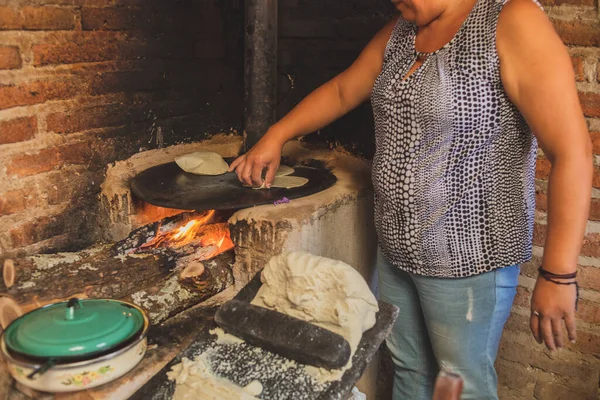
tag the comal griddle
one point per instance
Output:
(169, 186)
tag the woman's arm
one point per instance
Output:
(324, 105)
(538, 77)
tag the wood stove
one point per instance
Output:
(175, 262)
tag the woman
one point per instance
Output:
(457, 88)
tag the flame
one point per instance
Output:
(213, 239)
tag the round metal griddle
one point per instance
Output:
(169, 186)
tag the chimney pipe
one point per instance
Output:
(260, 69)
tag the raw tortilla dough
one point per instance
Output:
(195, 380)
(284, 170)
(325, 292)
(202, 163)
(286, 182)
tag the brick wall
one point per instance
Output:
(86, 82)
(526, 371)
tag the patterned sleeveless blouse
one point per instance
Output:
(454, 164)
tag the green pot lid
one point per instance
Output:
(74, 329)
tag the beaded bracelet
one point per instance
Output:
(551, 277)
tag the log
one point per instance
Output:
(8, 273)
(144, 268)
(9, 311)
(150, 280)
(94, 273)
(174, 294)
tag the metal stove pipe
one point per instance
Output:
(260, 69)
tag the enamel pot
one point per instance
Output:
(75, 345)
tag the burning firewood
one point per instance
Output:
(164, 268)
(192, 273)
(175, 294)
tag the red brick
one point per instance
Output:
(595, 136)
(518, 323)
(590, 102)
(55, 188)
(537, 357)
(591, 245)
(578, 68)
(555, 391)
(530, 268)
(37, 92)
(35, 231)
(88, 118)
(589, 3)
(10, 57)
(596, 177)
(70, 48)
(579, 33)
(36, 18)
(588, 311)
(589, 277)
(49, 159)
(510, 374)
(595, 210)
(541, 201)
(587, 343)
(106, 18)
(89, 3)
(539, 234)
(523, 297)
(59, 232)
(13, 201)
(59, 188)
(542, 168)
(18, 130)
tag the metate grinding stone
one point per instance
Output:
(284, 335)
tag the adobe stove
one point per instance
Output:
(177, 263)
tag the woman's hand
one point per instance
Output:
(265, 154)
(550, 305)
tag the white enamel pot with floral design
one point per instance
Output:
(75, 345)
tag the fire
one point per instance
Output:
(211, 238)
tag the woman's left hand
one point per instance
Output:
(550, 305)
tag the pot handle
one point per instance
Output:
(71, 306)
(43, 368)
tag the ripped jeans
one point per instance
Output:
(453, 324)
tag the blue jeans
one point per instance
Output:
(453, 324)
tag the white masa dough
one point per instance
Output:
(323, 291)
(282, 180)
(195, 380)
(284, 170)
(286, 182)
(202, 163)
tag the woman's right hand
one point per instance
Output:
(264, 154)
(324, 105)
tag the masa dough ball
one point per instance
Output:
(323, 291)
